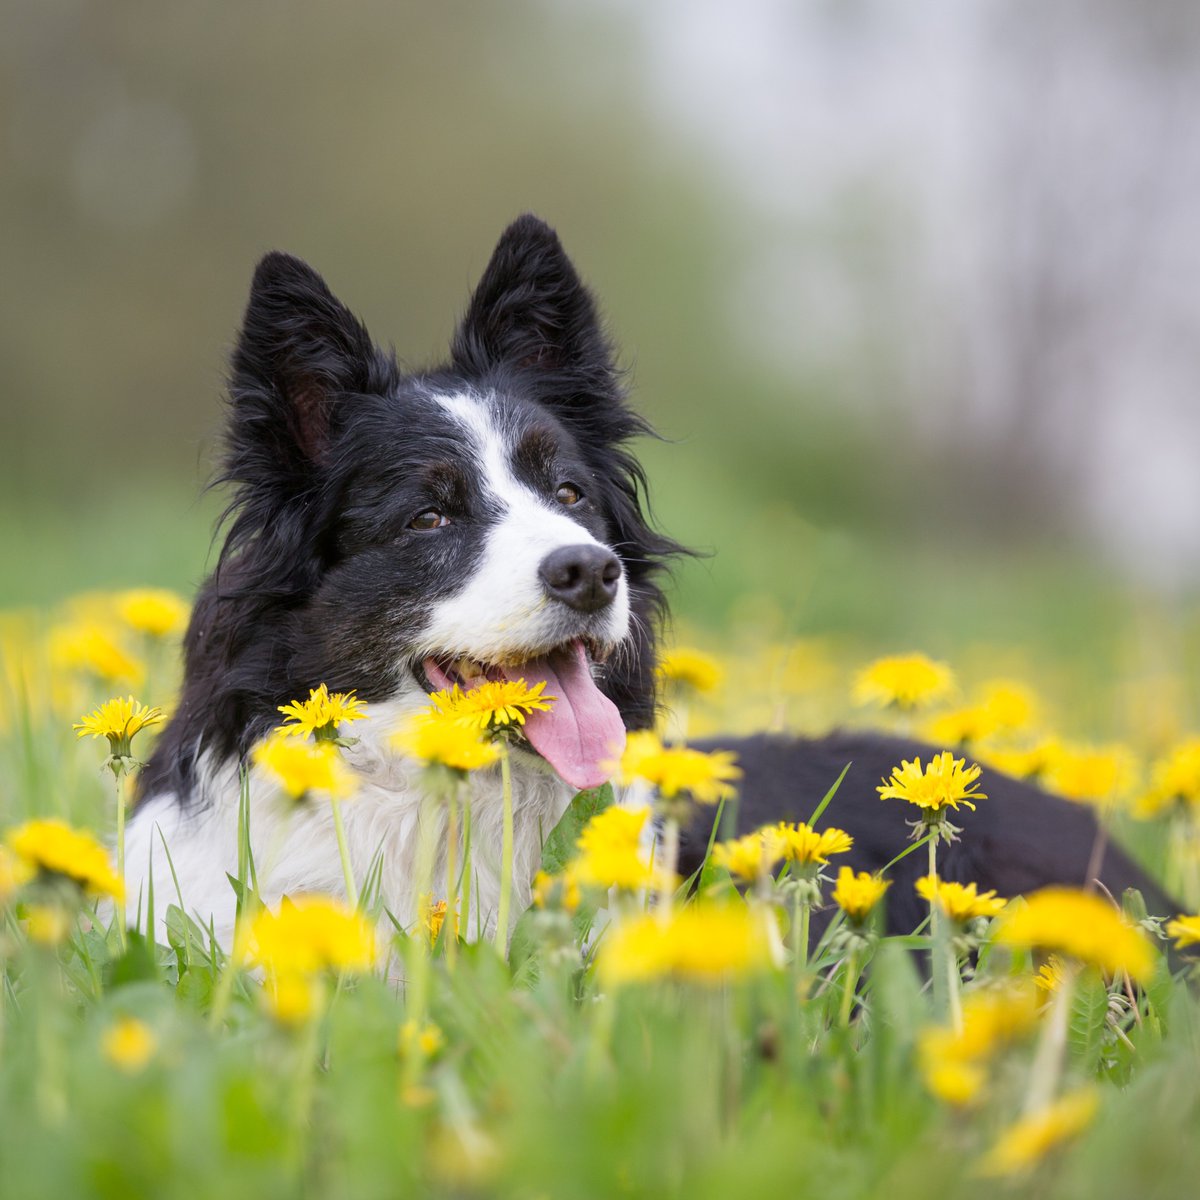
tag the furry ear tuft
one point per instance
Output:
(531, 310)
(300, 349)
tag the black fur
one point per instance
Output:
(330, 452)
(1018, 839)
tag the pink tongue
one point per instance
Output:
(582, 734)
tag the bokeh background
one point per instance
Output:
(908, 288)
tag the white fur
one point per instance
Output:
(502, 612)
(295, 848)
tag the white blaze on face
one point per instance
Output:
(502, 609)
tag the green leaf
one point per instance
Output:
(1089, 1013)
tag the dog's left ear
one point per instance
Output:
(532, 312)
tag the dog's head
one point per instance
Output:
(393, 533)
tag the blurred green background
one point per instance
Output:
(914, 346)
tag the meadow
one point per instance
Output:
(641, 1035)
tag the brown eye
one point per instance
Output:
(568, 494)
(430, 519)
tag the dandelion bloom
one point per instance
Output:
(960, 902)
(908, 681)
(437, 739)
(155, 612)
(1079, 925)
(803, 845)
(433, 915)
(119, 721)
(962, 726)
(946, 783)
(749, 857)
(702, 943)
(707, 778)
(14, 872)
(857, 894)
(426, 1039)
(690, 669)
(93, 649)
(557, 891)
(128, 1044)
(302, 767)
(1091, 774)
(308, 935)
(1029, 1140)
(1185, 931)
(48, 924)
(1051, 974)
(610, 846)
(52, 847)
(1029, 763)
(321, 714)
(1011, 705)
(493, 704)
(1175, 782)
(952, 1062)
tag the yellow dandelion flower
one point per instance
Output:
(1024, 1144)
(48, 924)
(119, 721)
(804, 846)
(706, 777)
(427, 1040)
(1185, 931)
(432, 915)
(1096, 775)
(321, 714)
(701, 943)
(493, 704)
(293, 997)
(93, 650)
(960, 902)
(301, 767)
(857, 894)
(952, 1062)
(558, 891)
(1030, 763)
(155, 612)
(749, 857)
(946, 783)
(1051, 974)
(1011, 705)
(690, 670)
(308, 935)
(1175, 782)
(52, 847)
(14, 873)
(1079, 925)
(961, 726)
(128, 1044)
(610, 850)
(906, 682)
(437, 739)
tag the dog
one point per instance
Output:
(392, 533)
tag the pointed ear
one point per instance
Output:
(532, 311)
(300, 349)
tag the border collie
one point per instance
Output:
(393, 533)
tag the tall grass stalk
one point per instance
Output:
(506, 852)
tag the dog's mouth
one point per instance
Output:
(581, 735)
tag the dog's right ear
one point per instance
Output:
(300, 352)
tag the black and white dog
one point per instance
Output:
(393, 533)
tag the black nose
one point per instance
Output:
(583, 577)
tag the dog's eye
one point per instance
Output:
(568, 494)
(429, 519)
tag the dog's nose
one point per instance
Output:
(584, 577)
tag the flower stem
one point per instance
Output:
(1048, 1060)
(120, 907)
(848, 986)
(936, 950)
(344, 852)
(450, 942)
(669, 847)
(506, 853)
